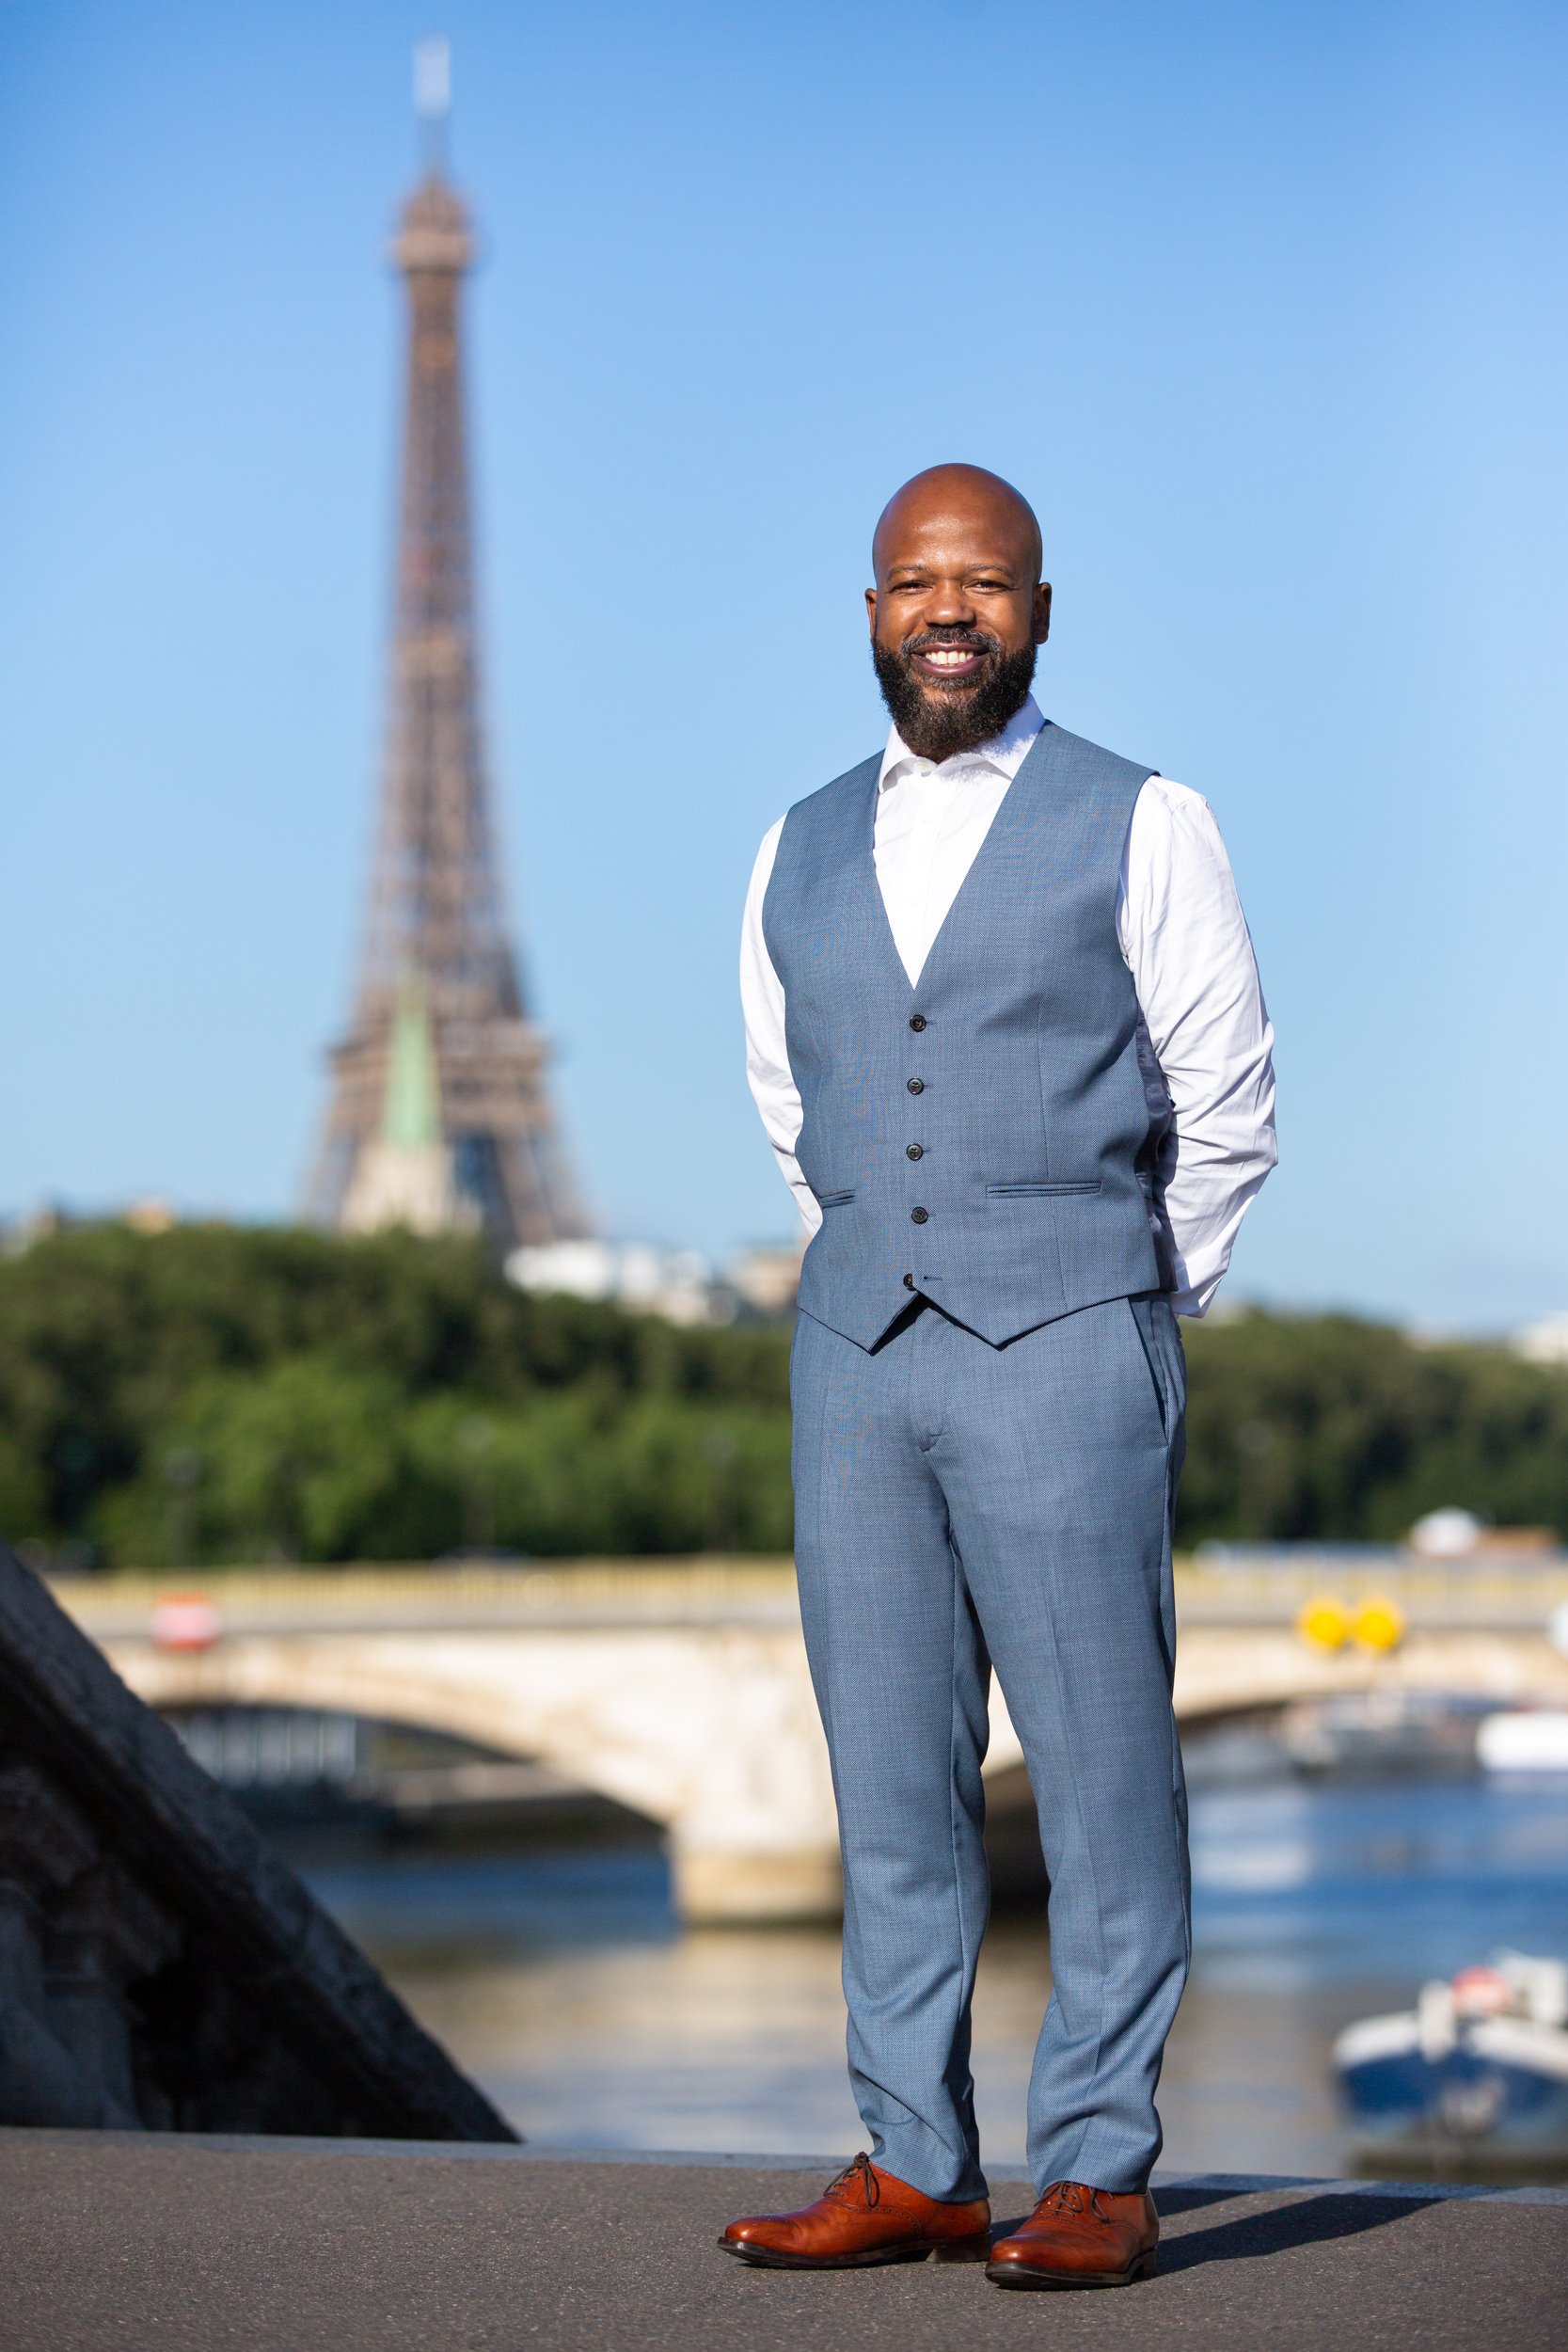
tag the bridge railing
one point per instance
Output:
(393, 1595)
(398, 1595)
(1512, 1596)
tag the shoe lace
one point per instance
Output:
(864, 2173)
(1073, 2197)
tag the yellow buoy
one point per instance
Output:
(1325, 1622)
(1379, 1623)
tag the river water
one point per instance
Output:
(562, 1982)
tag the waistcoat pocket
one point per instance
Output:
(1036, 1192)
(840, 1200)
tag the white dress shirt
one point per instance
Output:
(1205, 1032)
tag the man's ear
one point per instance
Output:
(871, 610)
(1042, 612)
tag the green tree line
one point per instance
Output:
(217, 1394)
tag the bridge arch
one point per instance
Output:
(708, 1730)
(710, 1727)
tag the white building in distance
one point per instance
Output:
(1542, 1342)
(678, 1284)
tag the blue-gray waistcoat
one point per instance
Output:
(987, 1137)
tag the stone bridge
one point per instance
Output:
(681, 1690)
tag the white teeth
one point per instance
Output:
(950, 657)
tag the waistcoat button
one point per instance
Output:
(918, 1216)
(916, 1086)
(917, 1020)
(908, 1281)
(914, 1150)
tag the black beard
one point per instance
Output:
(940, 725)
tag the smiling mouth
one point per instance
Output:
(949, 664)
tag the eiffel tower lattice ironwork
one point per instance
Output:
(439, 1117)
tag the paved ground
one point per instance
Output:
(115, 2243)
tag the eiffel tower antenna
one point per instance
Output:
(433, 97)
(439, 1119)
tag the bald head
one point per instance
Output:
(966, 496)
(958, 609)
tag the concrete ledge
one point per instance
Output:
(1005, 2173)
(124, 2242)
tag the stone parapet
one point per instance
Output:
(159, 1965)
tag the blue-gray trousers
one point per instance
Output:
(960, 1507)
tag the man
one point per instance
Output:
(1006, 1035)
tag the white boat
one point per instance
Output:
(1478, 2068)
(1526, 1739)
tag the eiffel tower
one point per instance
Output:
(439, 1119)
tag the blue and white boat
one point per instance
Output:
(1477, 2073)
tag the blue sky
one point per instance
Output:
(1263, 305)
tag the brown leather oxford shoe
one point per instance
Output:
(865, 2215)
(1080, 2237)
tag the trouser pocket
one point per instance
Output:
(1163, 1358)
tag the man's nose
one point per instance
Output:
(949, 605)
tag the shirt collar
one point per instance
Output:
(1006, 752)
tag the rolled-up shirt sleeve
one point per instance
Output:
(1188, 948)
(768, 1071)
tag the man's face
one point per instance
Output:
(957, 612)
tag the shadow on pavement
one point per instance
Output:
(1301, 2221)
(1173, 2201)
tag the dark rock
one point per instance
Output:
(160, 1967)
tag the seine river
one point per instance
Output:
(564, 1982)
